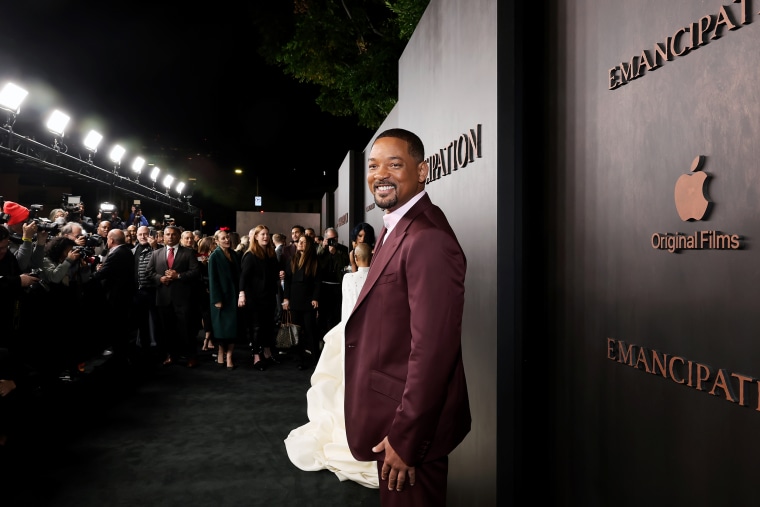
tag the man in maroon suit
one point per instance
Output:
(406, 400)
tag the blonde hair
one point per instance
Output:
(226, 251)
(363, 252)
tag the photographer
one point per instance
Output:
(13, 374)
(27, 242)
(136, 218)
(333, 260)
(76, 214)
(60, 288)
(12, 283)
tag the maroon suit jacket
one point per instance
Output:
(404, 373)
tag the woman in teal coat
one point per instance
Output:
(223, 281)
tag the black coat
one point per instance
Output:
(117, 278)
(301, 289)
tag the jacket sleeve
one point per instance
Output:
(435, 292)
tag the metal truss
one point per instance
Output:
(28, 153)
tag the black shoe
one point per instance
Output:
(259, 365)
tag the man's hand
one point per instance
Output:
(27, 280)
(395, 471)
(29, 230)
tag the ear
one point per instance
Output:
(422, 171)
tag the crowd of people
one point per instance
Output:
(388, 403)
(175, 293)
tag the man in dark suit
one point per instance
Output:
(406, 400)
(333, 261)
(289, 251)
(175, 271)
(116, 277)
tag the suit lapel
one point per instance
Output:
(389, 247)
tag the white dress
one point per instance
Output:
(321, 443)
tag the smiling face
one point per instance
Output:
(394, 177)
(223, 239)
(187, 239)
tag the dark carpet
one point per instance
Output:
(168, 436)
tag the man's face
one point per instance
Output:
(393, 175)
(295, 234)
(171, 236)
(310, 233)
(76, 231)
(142, 235)
(103, 228)
(187, 239)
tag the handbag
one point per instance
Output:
(288, 333)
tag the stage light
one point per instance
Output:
(57, 122)
(91, 142)
(154, 175)
(11, 98)
(168, 179)
(116, 153)
(137, 166)
(180, 187)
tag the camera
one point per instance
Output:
(71, 204)
(43, 224)
(332, 241)
(92, 241)
(87, 254)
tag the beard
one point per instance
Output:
(386, 203)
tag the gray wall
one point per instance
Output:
(627, 437)
(447, 86)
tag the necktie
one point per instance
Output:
(170, 257)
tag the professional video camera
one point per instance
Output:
(43, 224)
(71, 204)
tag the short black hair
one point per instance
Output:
(416, 147)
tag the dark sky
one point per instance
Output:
(176, 76)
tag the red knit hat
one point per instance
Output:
(17, 212)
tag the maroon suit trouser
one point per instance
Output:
(429, 488)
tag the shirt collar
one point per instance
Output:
(391, 219)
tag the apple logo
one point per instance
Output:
(691, 197)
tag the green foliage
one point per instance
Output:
(349, 49)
